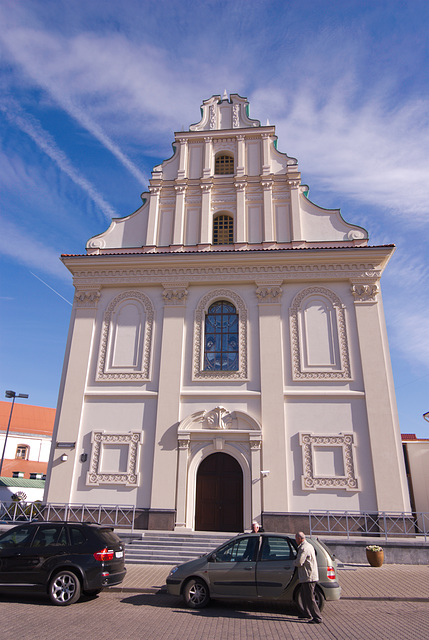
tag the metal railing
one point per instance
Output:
(377, 524)
(112, 515)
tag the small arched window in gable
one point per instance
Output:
(223, 229)
(221, 337)
(224, 165)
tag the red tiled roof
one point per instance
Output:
(407, 437)
(27, 466)
(163, 251)
(27, 419)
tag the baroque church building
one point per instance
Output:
(227, 358)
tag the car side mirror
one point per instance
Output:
(212, 557)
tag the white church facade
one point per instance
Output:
(227, 358)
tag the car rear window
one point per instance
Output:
(109, 537)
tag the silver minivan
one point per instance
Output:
(255, 566)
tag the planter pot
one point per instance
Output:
(375, 558)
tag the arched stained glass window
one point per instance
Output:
(224, 165)
(221, 337)
(223, 229)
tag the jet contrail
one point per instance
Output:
(58, 294)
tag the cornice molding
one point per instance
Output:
(223, 273)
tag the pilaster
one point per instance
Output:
(170, 380)
(241, 155)
(295, 209)
(274, 454)
(72, 392)
(266, 165)
(269, 234)
(183, 161)
(208, 157)
(153, 219)
(206, 215)
(241, 212)
(255, 457)
(385, 442)
(179, 215)
(182, 476)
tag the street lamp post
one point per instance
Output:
(13, 395)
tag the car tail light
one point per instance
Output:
(331, 573)
(104, 555)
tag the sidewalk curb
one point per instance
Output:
(153, 590)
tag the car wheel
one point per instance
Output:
(196, 594)
(64, 588)
(320, 600)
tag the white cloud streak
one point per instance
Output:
(366, 152)
(55, 70)
(46, 143)
(352, 145)
(30, 251)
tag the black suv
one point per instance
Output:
(62, 558)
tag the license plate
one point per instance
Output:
(119, 554)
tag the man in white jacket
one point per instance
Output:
(308, 575)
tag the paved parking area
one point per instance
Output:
(387, 603)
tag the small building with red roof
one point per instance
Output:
(28, 442)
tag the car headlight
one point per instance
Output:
(174, 569)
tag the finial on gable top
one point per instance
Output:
(225, 95)
(268, 123)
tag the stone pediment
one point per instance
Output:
(219, 419)
(221, 113)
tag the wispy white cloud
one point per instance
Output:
(347, 137)
(405, 281)
(132, 87)
(370, 153)
(46, 143)
(27, 250)
(60, 68)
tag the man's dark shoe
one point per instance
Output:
(301, 616)
(315, 621)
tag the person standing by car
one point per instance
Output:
(308, 575)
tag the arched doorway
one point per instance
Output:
(219, 494)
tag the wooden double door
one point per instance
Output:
(219, 495)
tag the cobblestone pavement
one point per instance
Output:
(387, 603)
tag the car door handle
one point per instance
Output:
(248, 568)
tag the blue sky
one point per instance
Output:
(91, 92)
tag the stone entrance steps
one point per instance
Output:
(169, 547)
